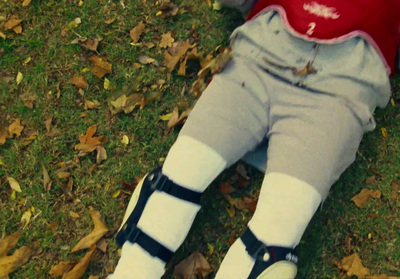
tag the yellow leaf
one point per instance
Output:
(26, 217)
(9, 264)
(13, 196)
(26, 3)
(166, 117)
(2, 35)
(116, 194)
(2, 163)
(384, 132)
(80, 4)
(159, 13)
(352, 265)
(125, 140)
(19, 78)
(84, 70)
(27, 60)
(14, 184)
(106, 84)
(99, 230)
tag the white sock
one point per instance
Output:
(165, 218)
(284, 209)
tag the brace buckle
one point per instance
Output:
(158, 181)
(133, 234)
(260, 252)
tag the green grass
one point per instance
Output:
(54, 61)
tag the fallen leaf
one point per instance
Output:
(101, 154)
(12, 22)
(79, 269)
(146, 60)
(193, 266)
(91, 104)
(168, 9)
(370, 180)
(116, 194)
(79, 81)
(63, 174)
(98, 232)
(90, 44)
(364, 196)
(125, 140)
(384, 132)
(28, 98)
(106, 84)
(3, 36)
(241, 203)
(19, 78)
(74, 215)
(26, 217)
(395, 189)
(307, 70)
(137, 31)
(175, 120)
(241, 170)
(127, 103)
(149, 45)
(9, 264)
(352, 266)
(175, 53)
(14, 185)
(88, 143)
(46, 179)
(182, 67)
(226, 188)
(166, 40)
(3, 136)
(26, 3)
(8, 243)
(61, 268)
(102, 245)
(101, 66)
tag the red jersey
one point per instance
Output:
(332, 21)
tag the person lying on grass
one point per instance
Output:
(305, 75)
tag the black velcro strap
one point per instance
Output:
(162, 183)
(264, 255)
(153, 247)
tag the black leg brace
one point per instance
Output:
(264, 255)
(130, 232)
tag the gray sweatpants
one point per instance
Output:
(313, 123)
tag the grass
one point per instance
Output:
(54, 61)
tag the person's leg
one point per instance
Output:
(313, 138)
(230, 119)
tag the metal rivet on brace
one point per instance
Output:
(266, 257)
(151, 176)
(124, 227)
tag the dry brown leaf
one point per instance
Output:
(149, 44)
(102, 245)
(226, 188)
(79, 81)
(370, 180)
(192, 267)
(8, 243)
(127, 104)
(168, 9)
(15, 128)
(90, 44)
(3, 136)
(166, 40)
(74, 215)
(137, 31)
(176, 120)
(101, 66)
(364, 196)
(63, 174)
(61, 268)
(395, 189)
(99, 230)
(88, 143)
(241, 203)
(307, 70)
(28, 98)
(26, 3)
(241, 170)
(182, 67)
(175, 53)
(12, 22)
(79, 269)
(91, 104)
(47, 123)
(352, 266)
(9, 264)
(101, 154)
(46, 179)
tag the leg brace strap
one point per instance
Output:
(129, 231)
(264, 255)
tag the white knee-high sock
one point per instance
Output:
(284, 209)
(190, 164)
